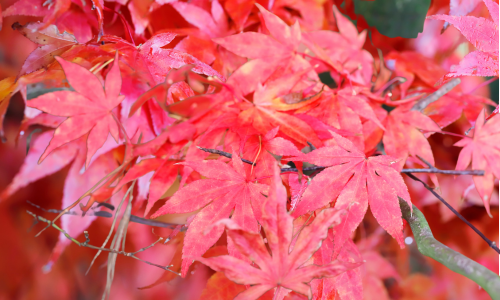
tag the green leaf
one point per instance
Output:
(393, 18)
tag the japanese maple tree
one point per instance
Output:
(266, 141)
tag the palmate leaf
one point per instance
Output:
(50, 43)
(484, 152)
(483, 34)
(88, 108)
(227, 188)
(403, 137)
(355, 181)
(284, 268)
(160, 61)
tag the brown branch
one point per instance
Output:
(447, 172)
(120, 236)
(105, 214)
(490, 243)
(225, 154)
(443, 90)
(315, 168)
(87, 241)
(87, 193)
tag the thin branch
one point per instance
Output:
(429, 246)
(443, 90)
(87, 193)
(391, 84)
(490, 243)
(316, 168)
(484, 83)
(105, 214)
(430, 170)
(447, 172)
(112, 226)
(225, 154)
(117, 239)
(425, 161)
(311, 146)
(87, 241)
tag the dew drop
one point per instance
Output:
(408, 240)
(21, 133)
(46, 269)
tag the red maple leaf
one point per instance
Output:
(451, 106)
(281, 44)
(348, 285)
(403, 137)
(342, 51)
(259, 149)
(484, 151)
(39, 8)
(269, 54)
(227, 188)
(483, 34)
(88, 108)
(50, 43)
(164, 176)
(286, 267)
(160, 61)
(343, 110)
(356, 180)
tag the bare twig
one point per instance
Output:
(225, 154)
(306, 169)
(105, 214)
(391, 84)
(112, 226)
(311, 146)
(67, 209)
(152, 223)
(490, 243)
(429, 246)
(447, 172)
(315, 168)
(87, 241)
(115, 244)
(443, 90)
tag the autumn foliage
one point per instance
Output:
(245, 149)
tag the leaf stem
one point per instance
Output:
(124, 22)
(451, 133)
(484, 83)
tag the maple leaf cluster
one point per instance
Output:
(151, 108)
